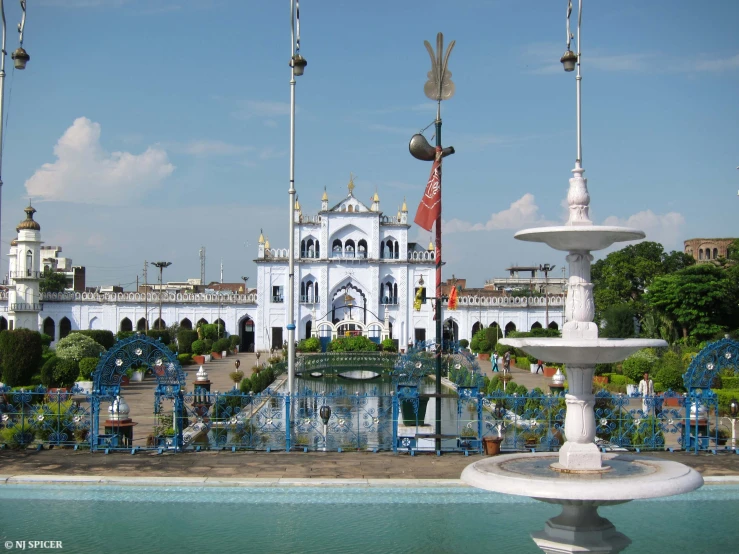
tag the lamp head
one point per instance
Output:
(422, 150)
(569, 60)
(734, 407)
(298, 63)
(325, 413)
(20, 58)
(420, 280)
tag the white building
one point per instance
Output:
(355, 271)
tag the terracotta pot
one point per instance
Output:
(200, 360)
(672, 401)
(491, 445)
(125, 381)
(482, 356)
(215, 355)
(549, 371)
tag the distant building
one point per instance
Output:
(705, 250)
(52, 261)
(530, 278)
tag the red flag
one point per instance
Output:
(453, 298)
(430, 206)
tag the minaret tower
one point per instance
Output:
(24, 299)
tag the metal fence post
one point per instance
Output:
(395, 421)
(480, 397)
(287, 423)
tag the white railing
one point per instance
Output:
(168, 297)
(511, 301)
(421, 256)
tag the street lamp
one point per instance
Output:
(325, 413)
(161, 266)
(245, 279)
(297, 66)
(546, 268)
(734, 409)
(20, 58)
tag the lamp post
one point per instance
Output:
(734, 408)
(245, 279)
(325, 413)
(20, 58)
(161, 266)
(546, 268)
(297, 66)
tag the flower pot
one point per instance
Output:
(207, 357)
(224, 353)
(483, 356)
(137, 376)
(549, 371)
(491, 445)
(125, 380)
(215, 355)
(199, 360)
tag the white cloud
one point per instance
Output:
(665, 229)
(214, 147)
(257, 108)
(522, 213)
(84, 172)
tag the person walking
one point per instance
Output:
(539, 366)
(495, 362)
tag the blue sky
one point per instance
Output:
(164, 126)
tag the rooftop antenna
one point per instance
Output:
(202, 265)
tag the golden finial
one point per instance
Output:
(405, 206)
(324, 198)
(350, 186)
(266, 244)
(261, 237)
(376, 197)
(297, 205)
(431, 245)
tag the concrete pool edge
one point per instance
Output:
(258, 481)
(224, 482)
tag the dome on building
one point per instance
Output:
(14, 242)
(29, 223)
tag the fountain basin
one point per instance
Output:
(580, 237)
(630, 478)
(582, 351)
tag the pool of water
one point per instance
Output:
(339, 519)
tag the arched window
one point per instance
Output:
(126, 325)
(141, 324)
(700, 254)
(350, 208)
(349, 248)
(49, 328)
(3, 324)
(201, 321)
(510, 327)
(362, 249)
(318, 250)
(186, 324)
(65, 327)
(708, 253)
(159, 324)
(29, 262)
(337, 248)
(308, 328)
(553, 325)
(715, 253)
(536, 325)
(476, 327)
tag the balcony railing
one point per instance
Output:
(28, 274)
(309, 300)
(389, 299)
(310, 255)
(22, 307)
(277, 299)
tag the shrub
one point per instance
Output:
(185, 338)
(208, 346)
(172, 347)
(388, 345)
(620, 379)
(730, 383)
(636, 365)
(47, 372)
(87, 367)
(670, 374)
(211, 331)
(480, 342)
(46, 340)
(619, 320)
(20, 352)
(245, 386)
(464, 343)
(724, 399)
(311, 344)
(233, 341)
(106, 339)
(357, 343)
(198, 347)
(160, 334)
(220, 345)
(76, 346)
(184, 359)
(121, 335)
(66, 372)
(236, 376)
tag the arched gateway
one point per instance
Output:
(138, 351)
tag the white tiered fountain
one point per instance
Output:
(580, 477)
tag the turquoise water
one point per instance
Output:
(143, 520)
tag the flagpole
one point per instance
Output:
(439, 337)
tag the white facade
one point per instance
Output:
(352, 262)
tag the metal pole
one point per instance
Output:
(291, 226)
(438, 294)
(579, 88)
(161, 269)
(2, 101)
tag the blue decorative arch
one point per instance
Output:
(709, 363)
(144, 350)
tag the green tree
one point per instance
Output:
(700, 300)
(20, 351)
(53, 281)
(623, 276)
(619, 321)
(76, 346)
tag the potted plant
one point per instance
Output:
(84, 380)
(491, 445)
(236, 376)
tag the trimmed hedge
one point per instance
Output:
(161, 334)
(77, 346)
(198, 347)
(311, 344)
(730, 383)
(87, 367)
(257, 382)
(20, 352)
(617, 379)
(184, 359)
(724, 399)
(185, 338)
(47, 372)
(66, 372)
(106, 339)
(220, 345)
(233, 341)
